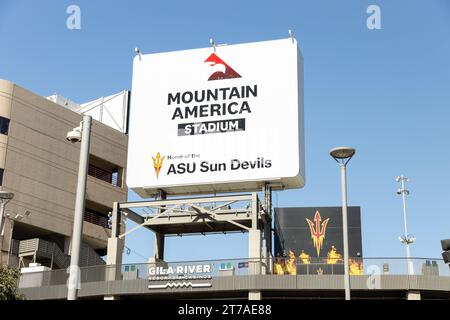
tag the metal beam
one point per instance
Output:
(131, 230)
(222, 205)
(115, 223)
(145, 222)
(133, 216)
(238, 215)
(218, 217)
(169, 213)
(140, 204)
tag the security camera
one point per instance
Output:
(74, 136)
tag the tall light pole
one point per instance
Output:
(17, 217)
(406, 238)
(5, 197)
(83, 134)
(342, 155)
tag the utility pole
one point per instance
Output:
(406, 238)
(80, 134)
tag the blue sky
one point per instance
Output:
(385, 92)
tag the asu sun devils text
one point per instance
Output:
(205, 166)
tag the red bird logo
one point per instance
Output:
(229, 72)
(318, 231)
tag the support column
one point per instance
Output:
(2, 223)
(254, 264)
(114, 250)
(115, 244)
(268, 258)
(159, 246)
(267, 230)
(6, 234)
(254, 247)
(11, 260)
(254, 251)
(159, 237)
(114, 255)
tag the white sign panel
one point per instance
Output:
(229, 119)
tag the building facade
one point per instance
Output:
(40, 167)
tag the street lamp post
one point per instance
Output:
(406, 238)
(5, 197)
(80, 134)
(342, 155)
(17, 217)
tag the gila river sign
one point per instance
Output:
(218, 119)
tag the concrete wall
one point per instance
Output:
(271, 286)
(41, 165)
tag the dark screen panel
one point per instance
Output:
(294, 236)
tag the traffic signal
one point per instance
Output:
(446, 247)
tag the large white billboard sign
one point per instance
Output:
(206, 121)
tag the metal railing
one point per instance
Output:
(104, 175)
(361, 266)
(96, 218)
(241, 267)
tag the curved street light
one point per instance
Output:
(5, 197)
(407, 239)
(343, 155)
